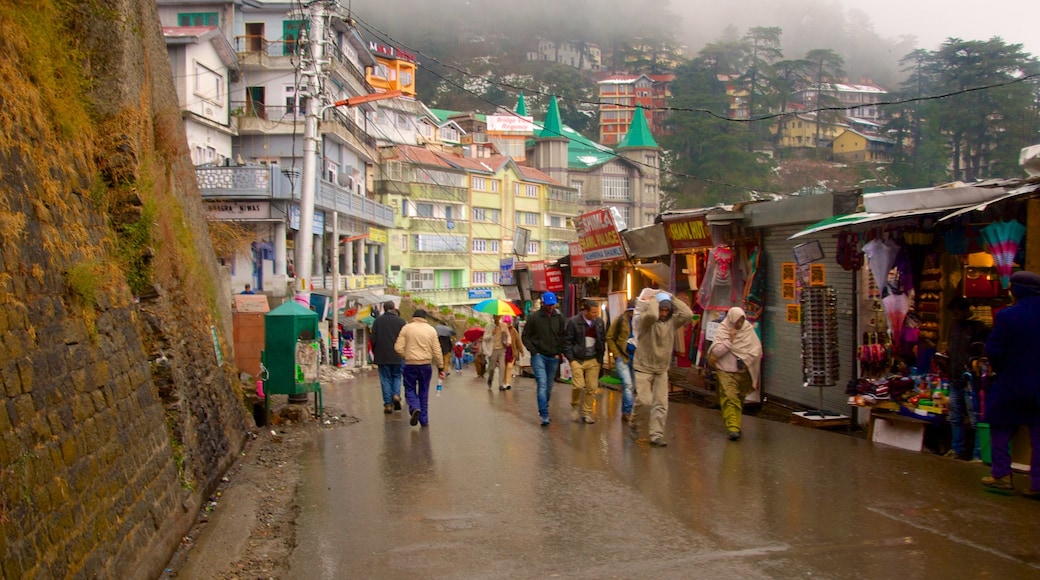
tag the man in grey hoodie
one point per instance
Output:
(657, 320)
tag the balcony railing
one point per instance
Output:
(333, 121)
(270, 182)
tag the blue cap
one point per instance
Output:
(549, 299)
(662, 296)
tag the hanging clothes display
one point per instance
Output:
(881, 256)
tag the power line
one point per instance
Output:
(597, 103)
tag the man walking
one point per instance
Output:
(1014, 398)
(622, 345)
(543, 337)
(584, 342)
(659, 319)
(385, 331)
(419, 346)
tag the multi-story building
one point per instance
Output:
(620, 95)
(626, 178)
(261, 190)
(799, 131)
(861, 100)
(457, 217)
(580, 55)
(855, 147)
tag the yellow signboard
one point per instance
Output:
(377, 235)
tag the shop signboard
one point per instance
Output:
(318, 227)
(510, 124)
(538, 283)
(377, 235)
(238, 210)
(579, 267)
(505, 271)
(479, 293)
(688, 233)
(554, 279)
(598, 236)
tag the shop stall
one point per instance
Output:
(913, 251)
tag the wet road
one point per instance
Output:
(485, 492)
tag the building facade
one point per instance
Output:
(258, 187)
(620, 95)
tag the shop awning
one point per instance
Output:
(863, 217)
(1024, 190)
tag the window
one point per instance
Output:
(525, 189)
(209, 85)
(577, 185)
(419, 280)
(485, 214)
(526, 218)
(557, 248)
(484, 278)
(649, 218)
(532, 248)
(198, 19)
(485, 246)
(484, 184)
(424, 210)
(615, 188)
(651, 160)
(556, 221)
(439, 243)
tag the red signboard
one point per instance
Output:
(599, 237)
(688, 233)
(537, 275)
(554, 279)
(579, 268)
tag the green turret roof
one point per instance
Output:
(521, 106)
(552, 128)
(638, 135)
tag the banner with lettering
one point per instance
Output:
(538, 275)
(579, 267)
(688, 233)
(599, 237)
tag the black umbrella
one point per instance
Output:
(444, 330)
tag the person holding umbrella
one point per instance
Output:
(543, 337)
(495, 338)
(420, 348)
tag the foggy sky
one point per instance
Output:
(871, 36)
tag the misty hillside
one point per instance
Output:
(448, 30)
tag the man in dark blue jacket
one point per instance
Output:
(1014, 398)
(584, 343)
(543, 338)
(385, 330)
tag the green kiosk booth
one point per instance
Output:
(291, 357)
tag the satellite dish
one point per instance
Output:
(451, 224)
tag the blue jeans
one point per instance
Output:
(544, 369)
(962, 402)
(458, 362)
(390, 378)
(417, 390)
(624, 372)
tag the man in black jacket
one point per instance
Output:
(384, 334)
(584, 342)
(543, 338)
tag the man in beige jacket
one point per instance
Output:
(420, 348)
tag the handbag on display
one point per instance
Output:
(980, 283)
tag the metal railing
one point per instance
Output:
(255, 182)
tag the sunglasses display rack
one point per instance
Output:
(820, 336)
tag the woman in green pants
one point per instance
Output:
(735, 355)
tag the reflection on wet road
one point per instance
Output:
(485, 492)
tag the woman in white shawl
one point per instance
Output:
(735, 354)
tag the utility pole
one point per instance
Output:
(312, 72)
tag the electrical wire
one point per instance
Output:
(530, 90)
